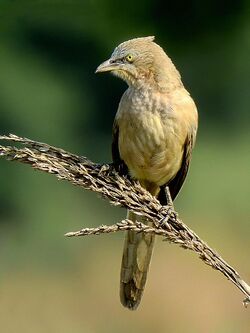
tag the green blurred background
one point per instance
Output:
(48, 92)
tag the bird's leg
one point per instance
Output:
(168, 197)
(121, 169)
(170, 206)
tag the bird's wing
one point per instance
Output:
(118, 163)
(176, 183)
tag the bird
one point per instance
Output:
(154, 133)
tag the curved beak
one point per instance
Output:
(107, 66)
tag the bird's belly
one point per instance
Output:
(151, 149)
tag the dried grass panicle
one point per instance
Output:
(120, 191)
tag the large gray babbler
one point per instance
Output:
(153, 135)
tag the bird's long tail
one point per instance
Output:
(135, 263)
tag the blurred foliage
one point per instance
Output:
(48, 91)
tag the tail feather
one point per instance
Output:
(135, 263)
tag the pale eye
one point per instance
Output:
(129, 58)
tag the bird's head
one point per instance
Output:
(140, 61)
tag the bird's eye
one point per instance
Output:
(129, 58)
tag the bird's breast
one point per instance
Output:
(149, 140)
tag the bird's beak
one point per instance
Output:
(107, 66)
